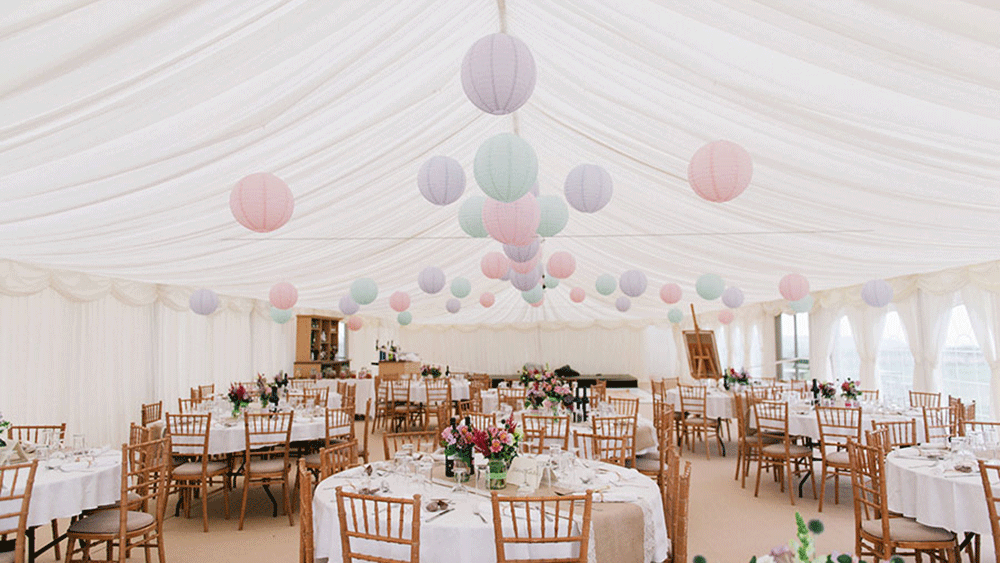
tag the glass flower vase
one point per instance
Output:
(497, 478)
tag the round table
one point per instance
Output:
(364, 390)
(627, 517)
(718, 404)
(936, 495)
(69, 487)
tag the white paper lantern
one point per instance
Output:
(506, 167)
(623, 303)
(431, 280)
(498, 73)
(554, 215)
(453, 305)
(732, 297)
(522, 253)
(470, 216)
(204, 301)
(632, 283)
(588, 188)
(348, 305)
(877, 293)
(441, 180)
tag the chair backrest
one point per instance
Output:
(870, 499)
(663, 415)
(35, 434)
(16, 485)
(480, 421)
(542, 431)
(761, 392)
(598, 391)
(268, 436)
(138, 434)
(426, 441)
(869, 395)
(678, 543)
(319, 395)
(520, 521)
(339, 425)
(363, 452)
(399, 391)
(983, 426)
(624, 406)
(743, 404)
(658, 388)
(189, 434)
(513, 396)
(693, 400)
(367, 518)
(438, 391)
(837, 425)
(186, 406)
(614, 439)
(879, 439)
(584, 444)
(337, 458)
(152, 412)
(349, 397)
(900, 433)
(992, 498)
(301, 383)
(669, 490)
(938, 423)
(923, 399)
(772, 420)
(306, 546)
(206, 391)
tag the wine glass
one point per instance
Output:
(461, 474)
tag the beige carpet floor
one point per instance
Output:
(727, 523)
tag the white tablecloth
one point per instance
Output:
(459, 391)
(950, 500)
(719, 404)
(461, 536)
(365, 391)
(62, 493)
(228, 435)
(804, 423)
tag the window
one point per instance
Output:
(792, 335)
(846, 362)
(966, 373)
(342, 340)
(895, 363)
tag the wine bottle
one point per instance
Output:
(472, 466)
(449, 462)
(815, 392)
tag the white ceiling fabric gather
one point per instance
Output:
(874, 129)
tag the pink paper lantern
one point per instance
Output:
(284, 295)
(399, 301)
(355, 323)
(726, 317)
(498, 73)
(512, 223)
(494, 265)
(441, 180)
(577, 294)
(487, 299)
(562, 265)
(522, 253)
(793, 287)
(453, 305)
(539, 302)
(720, 171)
(525, 267)
(670, 293)
(261, 202)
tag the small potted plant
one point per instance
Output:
(499, 446)
(4, 425)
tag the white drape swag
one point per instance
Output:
(984, 314)
(867, 324)
(925, 317)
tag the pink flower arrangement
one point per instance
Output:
(849, 389)
(238, 396)
(545, 389)
(498, 443)
(457, 440)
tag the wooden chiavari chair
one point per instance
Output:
(981, 425)
(404, 413)
(36, 435)
(513, 396)
(624, 406)
(152, 413)
(480, 421)
(669, 492)
(318, 395)
(938, 423)
(187, 406)
(438, 393)
(300, 383)
(869, 395)
(383, 402)
(16, 485)
(923, 399)
(992, 498)
(598, 392)
(189, 436)
(363, 451)
(748, 446)
(837, 425)
(787, 458)
(369, 518)
(266, 458)
(878, 532)
(696, 423)
(584, 444)
(655, 466)
(206, 391)
(614, 439)
(306, 544)
(337, 458)
(658, 388)
(424, 441)
(349, 398)
(900, 433)
(678, 546)
(878, 439)
(339, 429)
(539, 521)
(541, 431)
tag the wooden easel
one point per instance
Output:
(703, 357)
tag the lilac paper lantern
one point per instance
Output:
(512, 223)
(732, 297)
(431, 280)
(525, 267)
(494, 265)
(498, 73)
(876, 293)
(399, 301)
(793, 287)
(487, 299)
(632, 283)
(623, 303)
(670, 293)
(726, 317)
(441, 180)
(720, 171)
(453, 305)
(261, 202)
(355, 323)
(283, 295)
(562, 265)
(588, 188)
(577, 295)
(204, 301)
(348, 305)
(524, 282)
(522, 253)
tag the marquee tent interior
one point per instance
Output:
(873, 129)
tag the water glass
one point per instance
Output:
(79, 443)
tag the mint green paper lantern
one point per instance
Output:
(710, 286)
(803, 305)
(554, 215)
(606, 284)
(551, 282)
(505, 167)
(675, 315)
(533, 295)
(364, 291)
(404, 318)
(461, 287)
(280, 316)
(470, 217)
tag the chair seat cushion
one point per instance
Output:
(839, 458)
(107, 522)
(132, 499)
(698, 421)
(193, 469)
(907, 529)
(7, 557)
(312, 460)
(794, 450)
(262, 466)
(648, 463)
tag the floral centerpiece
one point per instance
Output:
(828, 390)
(499, 446)
(803, 548)
(849, 389)
(734, 377)
(239, 397)
(4, 425)
(281, 380)
(458, 444)
(430, 371)
(267, 391)
(545, 390)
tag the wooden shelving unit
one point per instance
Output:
(316, 340)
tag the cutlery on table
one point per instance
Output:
(442, 513)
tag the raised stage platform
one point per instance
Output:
(618, 381)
